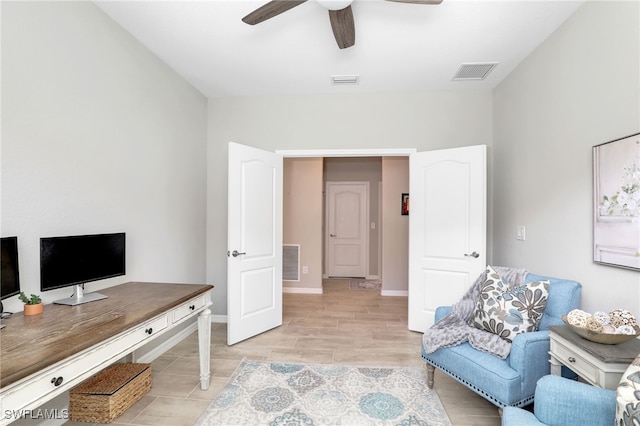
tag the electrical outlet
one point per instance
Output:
(305, 269)
(520, 232)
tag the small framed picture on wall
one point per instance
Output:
(405, 203)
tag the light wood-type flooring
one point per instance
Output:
(341, 326)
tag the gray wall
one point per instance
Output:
(579, 89)
(395, 230)
(98, 135)
(302, 219)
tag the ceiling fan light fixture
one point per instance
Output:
(344, 79)
(334, 4)
(474, 71)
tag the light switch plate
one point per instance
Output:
(520, 232)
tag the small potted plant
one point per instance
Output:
(32, 305)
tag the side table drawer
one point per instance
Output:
(574, 361)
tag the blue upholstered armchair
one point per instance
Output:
(563, 402)
(510, 381)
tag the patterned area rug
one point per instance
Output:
(365, 284)
(264, 393)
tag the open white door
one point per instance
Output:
(447, 222)
(254, 263)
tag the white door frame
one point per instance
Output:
(374, 152)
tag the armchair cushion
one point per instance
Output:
(563, 402)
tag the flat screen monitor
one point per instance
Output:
(76, 260)
(10, 273)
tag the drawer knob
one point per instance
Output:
(572, 359)
(192, 307)
(149, 330)
(57, 381)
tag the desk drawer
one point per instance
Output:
(31, 391)
(574, 361)
(188, 308)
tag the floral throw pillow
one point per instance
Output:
(628, 397)
(509, 311)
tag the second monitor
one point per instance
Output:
(75, 260)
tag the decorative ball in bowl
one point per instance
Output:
(604, 338)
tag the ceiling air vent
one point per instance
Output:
(474, 71)
(344, 79)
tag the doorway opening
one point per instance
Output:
(307, 176)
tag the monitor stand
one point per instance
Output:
(79, 297)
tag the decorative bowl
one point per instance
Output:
(604, 338)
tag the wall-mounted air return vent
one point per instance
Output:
(475, 71)
(291, 262)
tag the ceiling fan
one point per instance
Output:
(340, 16)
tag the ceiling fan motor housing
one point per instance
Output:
(335, 4)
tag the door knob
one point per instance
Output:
(332, 235)
(235, 253)
(474, 254)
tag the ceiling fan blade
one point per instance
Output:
(269, 10)
(343, 26)
(418, 1)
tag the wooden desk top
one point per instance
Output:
(621, 353)
(29, 344)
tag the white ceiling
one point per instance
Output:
(399, 46)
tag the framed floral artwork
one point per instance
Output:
(616, 202)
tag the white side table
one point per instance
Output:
(598, 364)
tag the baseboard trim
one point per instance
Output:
(219, 319)
(302, 290)
(404, 293)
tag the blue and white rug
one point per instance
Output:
(264, 393)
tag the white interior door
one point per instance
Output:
(254, 262)
(347, 239)
(447, 222)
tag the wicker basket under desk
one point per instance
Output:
(105, 396)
